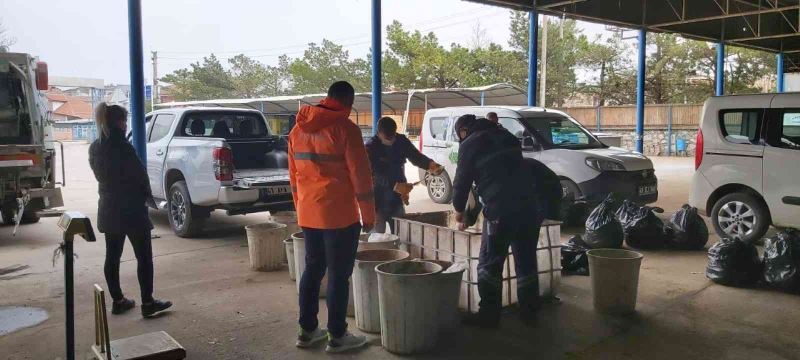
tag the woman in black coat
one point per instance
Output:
(124, 190)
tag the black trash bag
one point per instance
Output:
(603, 230)
(574, 260)
(687, 230)
(782, 261)
(644, 230)
(733, 262)
(626, 211)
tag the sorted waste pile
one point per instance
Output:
(611, 223)
(733, 262)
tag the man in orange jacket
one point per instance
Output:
(331, 184)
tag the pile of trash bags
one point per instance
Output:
(733, 262)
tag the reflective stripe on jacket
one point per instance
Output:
(329, 169)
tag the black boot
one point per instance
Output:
(155, 306)
(120, 307)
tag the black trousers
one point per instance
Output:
(142, 248)
(522, 234)
(335, 251)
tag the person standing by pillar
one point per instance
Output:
(491, 158)
(331, 184)
(388, 152)
(124, 190)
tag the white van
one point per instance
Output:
(748, 164)
(589, 170)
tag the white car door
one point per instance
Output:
(781, 187)
(438, 145)
(157, 142)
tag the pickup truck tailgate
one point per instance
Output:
(262, 178)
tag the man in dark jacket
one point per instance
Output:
(388, 152)
(491, 158)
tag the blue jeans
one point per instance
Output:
(333, 250)
(522, 234)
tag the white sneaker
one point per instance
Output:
(308, 339)
(346, 342)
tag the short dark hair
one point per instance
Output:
(341, 90)
(386, 125)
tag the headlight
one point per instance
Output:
(604, 165)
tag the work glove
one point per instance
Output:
(403, 188)
(435, 169)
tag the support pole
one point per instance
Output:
(639, 137)
(137, 77)
(376, 64)
(69, 294)
(669, 130)
(719, 79)
(780, 79)
(533, 55)
(483, 98)
(543, 79)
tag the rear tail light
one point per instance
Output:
(223, 164)
(698, 150)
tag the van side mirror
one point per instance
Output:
(528, 144)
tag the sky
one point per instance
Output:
(89, 38)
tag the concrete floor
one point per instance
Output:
(225, 311)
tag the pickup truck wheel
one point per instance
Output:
(181, 211)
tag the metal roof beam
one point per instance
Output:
(729, 15)
(560, 3)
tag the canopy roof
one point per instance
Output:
(770, 25)
(393, 101)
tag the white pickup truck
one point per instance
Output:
(202, 159)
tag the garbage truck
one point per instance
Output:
(27, 150)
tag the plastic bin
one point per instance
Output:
(365, 286)
(299, 243)
(615, 280)
(265, 245)
(364, 244)
(288, 244)
(406, 289)
(449, 287)
(434, 236)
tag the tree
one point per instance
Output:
(611, 61)
(747, 69)
(205, 81)
(6, 41)
(323, 64)
(478, 38)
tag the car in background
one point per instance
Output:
(589, 170)
(747, 164)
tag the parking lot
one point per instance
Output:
(225, 311)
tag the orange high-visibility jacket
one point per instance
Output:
(329, 169)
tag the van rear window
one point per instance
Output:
(741, 126)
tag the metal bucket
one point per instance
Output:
(365, 286)
(406, 290)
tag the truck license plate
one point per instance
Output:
(278, 190)
(647, 189)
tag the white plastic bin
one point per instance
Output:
(299, 242)
(365, 286)
(265, 245)
(288, 244)
(615, 280)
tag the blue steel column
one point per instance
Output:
(640, 91)
(779, 59)
(376, 64)
(719, 79)
(483, 98)
(533, 55)
(137, 77)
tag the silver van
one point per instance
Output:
(748, 164)
(589, 170)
